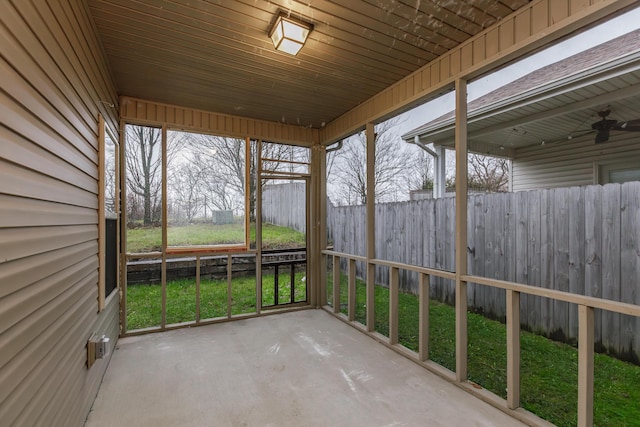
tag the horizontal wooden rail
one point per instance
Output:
(593, 302)
(424, 270)
(392, 264)
(293, 162)
(345, 256)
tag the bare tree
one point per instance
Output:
(143, 153)
(185, 184)
(392, 167)
(487, 173)
(421, 170)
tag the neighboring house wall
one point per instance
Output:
(572, 162)
(54, 83)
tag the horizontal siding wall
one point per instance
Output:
(147, 112)
(570, 163)
(54, 84)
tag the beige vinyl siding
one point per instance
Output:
(54, 83)
(570, 163)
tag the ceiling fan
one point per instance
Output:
(604, 126)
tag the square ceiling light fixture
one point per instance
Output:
(289, 34)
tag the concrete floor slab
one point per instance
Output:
(305, 368)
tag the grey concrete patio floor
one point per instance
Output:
(297, 369)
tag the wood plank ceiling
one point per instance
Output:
(217, 56)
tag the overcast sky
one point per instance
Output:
(602, 33)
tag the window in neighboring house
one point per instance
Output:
(619, 172)
(624, 175)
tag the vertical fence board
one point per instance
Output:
(546, 255)
(471, 243)
(593, 250)
(521, 255)
(534, 258)
(576, 253)
(611, 262)
(450, 246)
(629, 260)
(561, 257)
(479, 213)
(490, 264)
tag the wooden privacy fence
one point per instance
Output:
(583, 240)
(285, 204)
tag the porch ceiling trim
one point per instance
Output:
(140, 111)
(529, 28)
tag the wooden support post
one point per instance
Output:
(423, 317)
(585, 366)
(336, 284)
(371, 298)
(258, 207)
(513, 349)
(318, 205)
(352, 290)
(165, 221)
(461, 229)
(393, 304)
(316, 220)
(163, 291)
(229, 283)
(197, 289)
(371, 225)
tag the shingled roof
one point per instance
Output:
(563, 69)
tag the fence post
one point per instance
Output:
(585, 366)
(513, 349)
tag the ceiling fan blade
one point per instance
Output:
(629, 126)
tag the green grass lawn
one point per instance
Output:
(149, 239)
(144, 302)
(549, 369)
